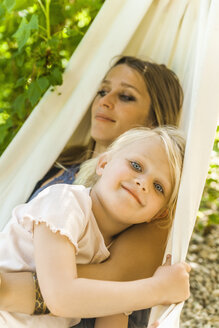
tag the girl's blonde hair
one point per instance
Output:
(174, 145)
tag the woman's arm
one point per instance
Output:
(17, 293)
(57, 274)
(135, 254)
(115, 321)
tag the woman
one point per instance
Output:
(133, 93)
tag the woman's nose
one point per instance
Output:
(107, 101)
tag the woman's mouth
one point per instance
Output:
(104, 118)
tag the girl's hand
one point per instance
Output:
(173, 281)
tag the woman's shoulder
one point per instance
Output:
(54, 176)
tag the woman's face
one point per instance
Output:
(122, 102)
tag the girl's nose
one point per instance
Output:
(143, 184)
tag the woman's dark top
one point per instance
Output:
(137, 319)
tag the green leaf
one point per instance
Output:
(24, 30)
(53, 42)
(213, 218)
(20, 82)
(37, 89)
(43, 83)
(4, 130)
(9, 4)
(56, 76)
(33, 24)
(19, 105)
(22, 34)
(34, 93)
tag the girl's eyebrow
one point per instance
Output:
(124, 84)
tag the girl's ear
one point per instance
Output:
(102, 161)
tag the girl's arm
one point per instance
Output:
(135, 254)
(64, 293)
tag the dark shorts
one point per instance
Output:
(138, 319)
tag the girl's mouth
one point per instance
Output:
(131, 192)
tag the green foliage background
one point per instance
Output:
(37, 38)
(209, 208)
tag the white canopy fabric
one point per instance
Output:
(183, 34)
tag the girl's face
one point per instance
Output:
(135, 184)
(121, 103)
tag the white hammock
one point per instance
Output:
(182, 34)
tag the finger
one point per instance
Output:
(168, 259)
(154, 325)
(187, 266)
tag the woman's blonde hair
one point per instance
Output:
(166, 97)
(174, 145)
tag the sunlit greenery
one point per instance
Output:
(209, 208)
(37, 38)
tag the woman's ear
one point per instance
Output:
(162, 213)
(102, 161)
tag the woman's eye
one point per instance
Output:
(102, 93)
(136, 166)
(126, 98)
(158, 187)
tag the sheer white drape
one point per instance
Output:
(183, 34)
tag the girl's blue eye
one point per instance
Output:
(126, 98)
(136, 166)
(158, 187)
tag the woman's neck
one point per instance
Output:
(98, 149)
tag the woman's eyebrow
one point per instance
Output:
(106, 82)
(123, 84)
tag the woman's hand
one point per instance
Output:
(173, 281)
(154, 325)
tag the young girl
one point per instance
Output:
(136, 180)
